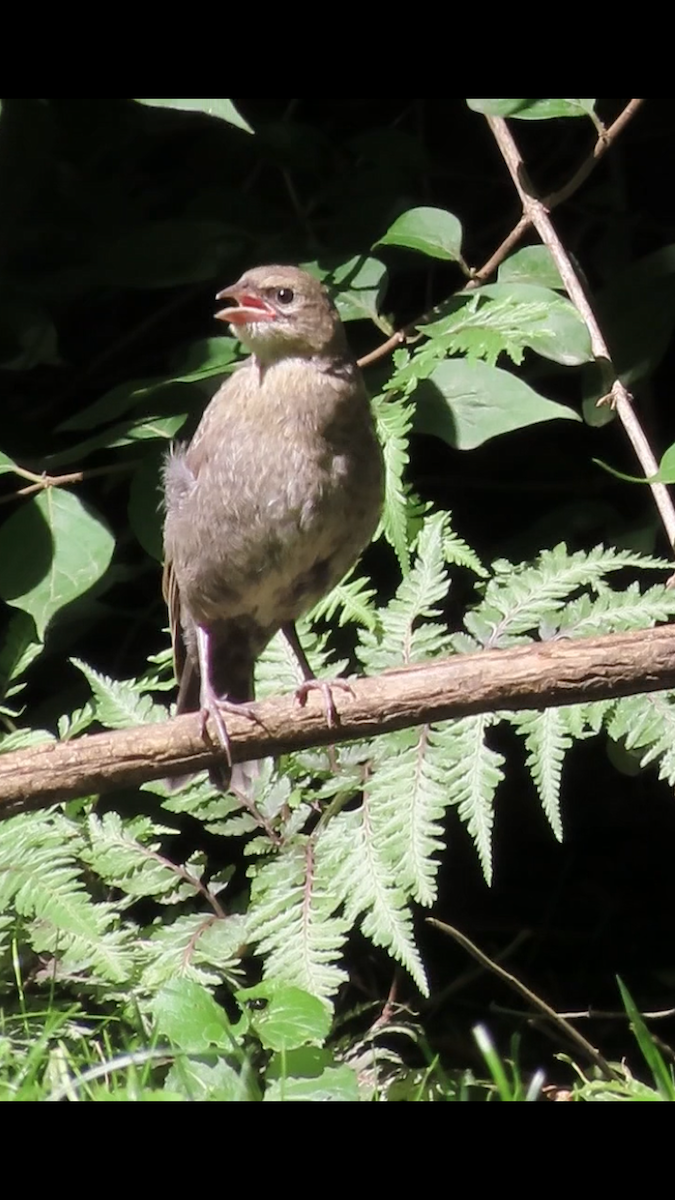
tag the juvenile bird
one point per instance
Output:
(276, 495)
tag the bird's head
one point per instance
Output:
(281, 312)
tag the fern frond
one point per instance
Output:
(197, 946)
(119, 703)
(407, 800)
(351, 600)
(473, 772)
(517, 599)
(647, 723)
(118, 853)
(293, 920)
(355, 857)
(408, 633)
(277, 670)
(617, 611)
(41, 877)
(547, 740)
(402, 513)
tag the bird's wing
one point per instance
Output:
(172, 600)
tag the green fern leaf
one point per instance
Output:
(119, 704)
(547, 739)
(293, 920)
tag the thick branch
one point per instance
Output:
(534, 676)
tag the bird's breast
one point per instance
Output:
(273, 502)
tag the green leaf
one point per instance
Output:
(6, 463)
(661, 1072)
(538, 110)
(187, 1015)
(223, 109)
(20, 646)
(292, 1017)
(336, 1083)
(53, 549)
(161, 254)
(533, 110)
(432, 231)
(665, 473)
(144, 429)
(466, 404)
(360, 284)
(532, 264)
(204, 358)
(136, 393)
(498, 108)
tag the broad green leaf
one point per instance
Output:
(160, 254)
(359, 285)
(52, 550)
(336, 1083)
(498, 108)
(533, 110)
(187, 1015)
(6, 463)
(147, 429)
(291, 1018)
(466, 404)
(544, 110)
(136, 393)
(532, 264)
(224, 109)
(432, 231)
(203, 358)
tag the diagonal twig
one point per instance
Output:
(538, 214)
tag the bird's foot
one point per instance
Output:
(324, 686)
(212, 708)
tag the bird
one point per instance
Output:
(274, 498)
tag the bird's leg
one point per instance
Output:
(311, 683)
(209, 704)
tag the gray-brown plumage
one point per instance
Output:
(276, 495)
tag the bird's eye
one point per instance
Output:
(285, 295)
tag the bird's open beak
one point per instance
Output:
(249, 306)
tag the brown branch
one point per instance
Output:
(526, 677)
(605, 140)
(538, 214)
(600, 148)
(44, 481)
(536, 1001)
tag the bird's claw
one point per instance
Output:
(214, 708)
(326, 688)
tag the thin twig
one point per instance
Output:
(44, 481)
(538, 214)
(531, 997)
(600, 148)
(605, 140)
